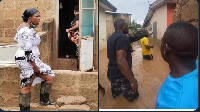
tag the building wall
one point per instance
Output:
(106, 28)
(11, 12)
(102, 29)
(109, 25)
(170, 13)
(111, 18)
(160, 16)
(186, 10)
(10, 18)
(124, 16)
(46, 45)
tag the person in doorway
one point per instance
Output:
(179, 48)
(120, 62)
(146, 48)
(33, 70)
(73, 32)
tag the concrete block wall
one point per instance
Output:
(46, 45)
(125, 16)
(111, 18)
(66, 82)
(109, 25)
(186, 10)
(11, 12)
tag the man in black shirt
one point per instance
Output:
(120, 62)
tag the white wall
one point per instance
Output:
(160, 15)
(102, 29)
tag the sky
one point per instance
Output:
(138, 8)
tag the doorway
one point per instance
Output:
(155, 30)
(66, 15)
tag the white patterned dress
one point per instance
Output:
(28, 51)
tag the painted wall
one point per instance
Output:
(160, 16)
(170, 13)
(102, 29)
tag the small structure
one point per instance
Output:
(60, 12)
(159, 17)
(112, 17)
(107, 16)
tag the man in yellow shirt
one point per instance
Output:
(146, 48)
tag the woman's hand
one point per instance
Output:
(67, 30)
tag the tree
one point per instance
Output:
(134, 26)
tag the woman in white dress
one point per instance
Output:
(33, 70)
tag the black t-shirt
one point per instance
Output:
(117, 41)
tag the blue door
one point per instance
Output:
(87, 24)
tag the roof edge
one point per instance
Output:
(108, 4)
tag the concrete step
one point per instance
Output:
(63, 103)
(10, 108)
(71, 100)
(37, 107)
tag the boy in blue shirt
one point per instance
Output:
(179, 48)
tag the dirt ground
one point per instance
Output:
(150, 75)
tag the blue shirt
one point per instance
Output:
(179, 93)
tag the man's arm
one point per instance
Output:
(125, 69)
(148, 46)
(137, 37)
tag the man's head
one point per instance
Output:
(180, 40)
(76, 9)
(120, 24)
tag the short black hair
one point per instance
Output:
(119, 23)
(76, 8)
(181, 36)
(28, 13)
(145, 33)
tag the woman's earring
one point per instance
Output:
(32, 25)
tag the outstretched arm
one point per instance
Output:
(137, 37)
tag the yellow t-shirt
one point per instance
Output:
(145, 51)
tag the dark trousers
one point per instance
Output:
(122, 86)
(148, 57)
